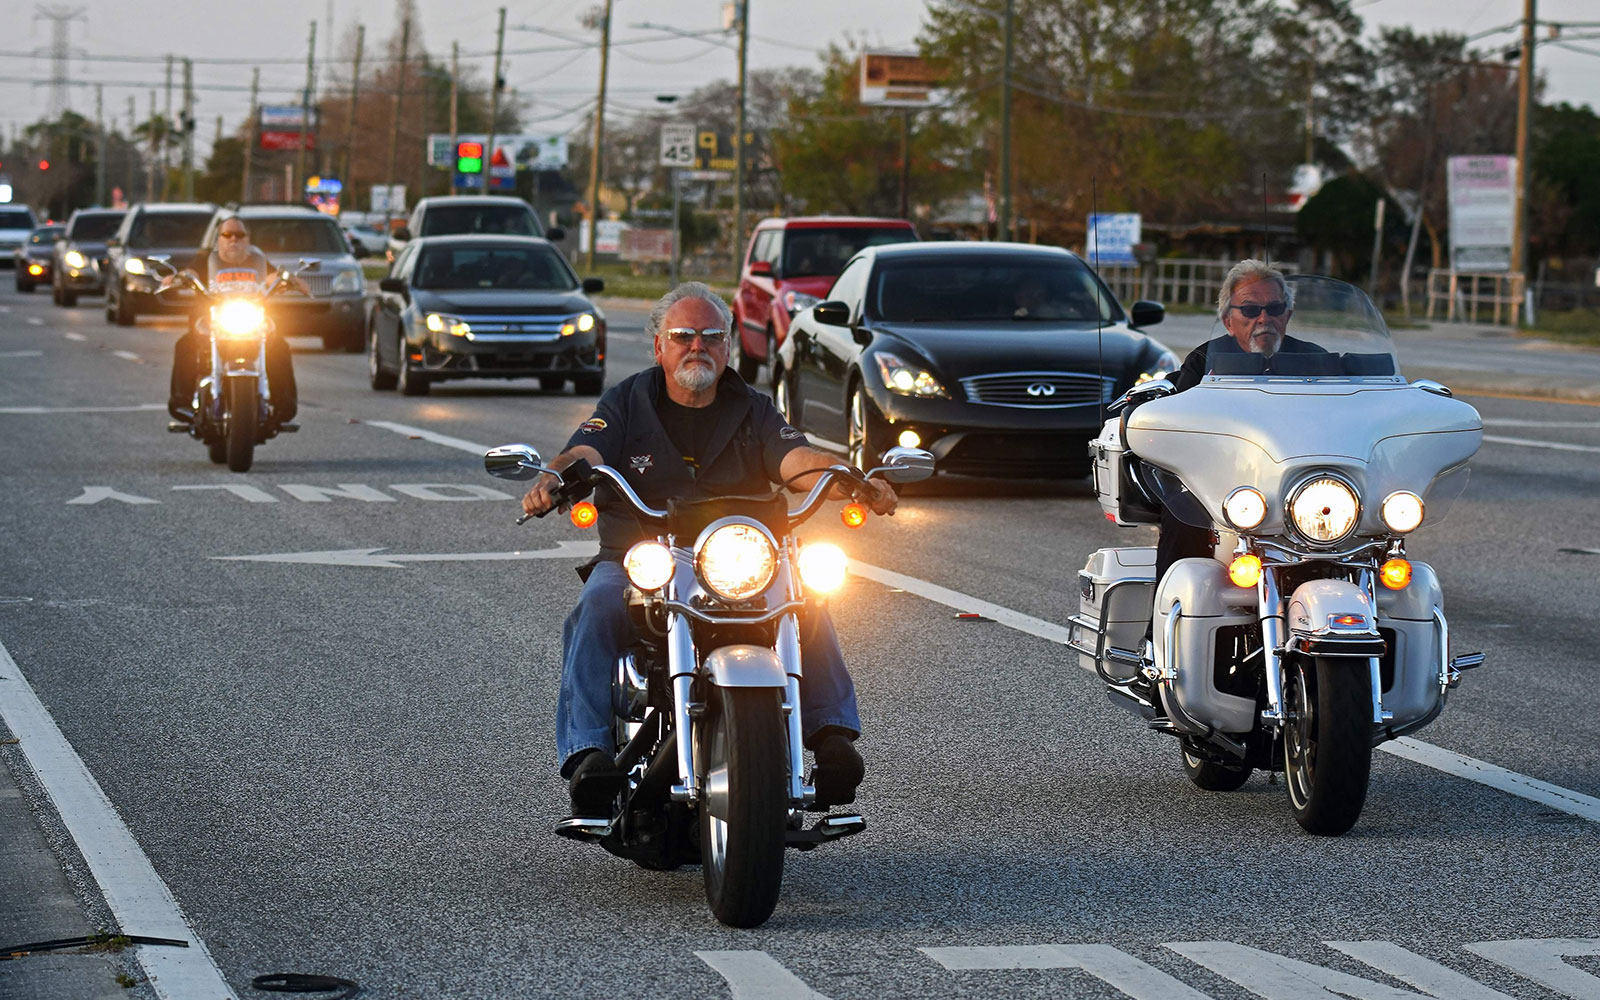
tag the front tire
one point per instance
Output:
(783, 399)
(379, 377)
(747, 367)
(411, 381)
(1213, 777)
(240, 424)
(589, 385)
(121, 311)
(867, 441)
(743, 744)
(1327, 742)
(69, 299)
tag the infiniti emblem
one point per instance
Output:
(1041, 389)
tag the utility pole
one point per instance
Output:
(394, 126)
(1003, 215)
(738, 142)
(905, 163)
(455, 100)
(1525, 80)
(188, 130)
(133, 123)
(494, 95)
(250, 132)
(599, 134)
(166, 162)
(305, 112)
(60, 53)
(350, 125)
(100, 145)
(150, 174)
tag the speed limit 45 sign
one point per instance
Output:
(677, 145)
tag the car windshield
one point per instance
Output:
(1330, 331)
(824, 252)
(95, 227)
(527, 269)
(49, 234)
(169, 229)
(285, 236)
(510, 220)
(15, 218)
(981, 288)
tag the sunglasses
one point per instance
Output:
(684, 336)
(1251, 310)
(234, 236)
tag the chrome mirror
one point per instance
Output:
(1144, 392)
(513, 461)
(1429, 385)
(905, 465)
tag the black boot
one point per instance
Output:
(596, 782)
(839, 767)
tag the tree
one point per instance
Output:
(1565, 170)
(1338, 219)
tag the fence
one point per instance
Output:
(1464, 295)
(1174, 281)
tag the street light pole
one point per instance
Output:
(599, 134)
(1003, 216)
(494, 104)
(1519, 240)
(738, 140)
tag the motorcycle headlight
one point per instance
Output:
(794, 301)
(906, 380)
(75, 259)
(346, 281)
(1324, 509)
(736, 562)
(822, 566)
(1245, 508)
(649, 565)
(1402, 511)
(1165, 364)
(238, 318)
(134, 265)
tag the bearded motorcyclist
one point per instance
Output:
(689, 428)
(235, 266)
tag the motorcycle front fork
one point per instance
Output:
(1272, 646)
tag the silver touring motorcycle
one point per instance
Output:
(706, 706)
(1310, 637)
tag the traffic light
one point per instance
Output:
(44, 164)
(469, 157)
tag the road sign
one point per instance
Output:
(1111, 238)
(677, 145)
(901, 80)
(1483, 205)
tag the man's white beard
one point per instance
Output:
(696, 378)
(1265, 347)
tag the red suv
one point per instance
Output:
(789, 265)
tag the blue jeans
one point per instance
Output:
(598, 630)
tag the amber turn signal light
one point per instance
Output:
(1395, 574)
(853, 515)
(584, 515)
(1245, 571)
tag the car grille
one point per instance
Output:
(522, 327)
(1039, 389)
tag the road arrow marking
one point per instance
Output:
(584, 549)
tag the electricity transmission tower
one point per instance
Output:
(60, 51)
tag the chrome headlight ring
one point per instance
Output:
(1323, 509)
(736, 558)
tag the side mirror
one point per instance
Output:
(394, 285)
(513, 461)
(555, 234)
(402, 234)
(1144, 392)
(593, 285)
(761, 269)
(832, 313)
(359, 250)
(1147, 313)
(905, 465)
(308, 266)
(113, 242)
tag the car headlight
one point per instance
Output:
(1402, 511)
(1325, 509)
(1165, 364)
(906, 380)
(134, 265)
(347, 281)
(822, 566)
(440, 323)
(649, 565)
(238, 318)
(736, 561)
(578, 324)
(75, 259)
(1245, 508)
(794, 301)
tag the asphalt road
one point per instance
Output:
(349, 770)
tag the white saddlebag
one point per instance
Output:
(1116, 591)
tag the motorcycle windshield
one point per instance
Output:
(1324, 329)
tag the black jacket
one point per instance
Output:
(1195, 365)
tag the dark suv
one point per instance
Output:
(80, 260)
(176, 230)
(336, 310)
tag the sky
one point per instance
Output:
(559, 82)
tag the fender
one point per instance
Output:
(1333, 618)
(241, 369)
(743, 665)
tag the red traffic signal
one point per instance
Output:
(44, 164)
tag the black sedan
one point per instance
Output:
(485, 307)
(34, 259)
(997, 357)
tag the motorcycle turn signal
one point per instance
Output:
(584, 514)
(854, 515)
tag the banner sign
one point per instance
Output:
(646, 245)
(1111, 237)
(901, 80)
(1483, 205)
(282, 125)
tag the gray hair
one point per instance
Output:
(688, 290)
(1248, 270)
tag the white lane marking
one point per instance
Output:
(1484, 773)
(21, 354)
(80, 338)
(139, 900)
(1426, 754)
(325, 494)
(1511, 422)
(142, 407)
(755, 975)
(1110, 965)
(1552, 445)
(128, 356)
(1409, 967)
(1278, 978)
(35, 321)
(368, 557)
(252, 494)
(1540, 960)
(95, 494)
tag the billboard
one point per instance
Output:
(1483, 206)
(281, 127)
(1111, 237)
(532, 152)
(901, 80)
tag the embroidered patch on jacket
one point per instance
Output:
(641, 462)
(790, 434)
(592, 425)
